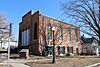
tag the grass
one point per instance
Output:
(66, 62)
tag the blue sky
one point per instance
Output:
(15, 9)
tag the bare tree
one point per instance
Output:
(86, 14)
(4, 28)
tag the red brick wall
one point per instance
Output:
(56, 24)
(25, 24)
(34, 42)
(30, 19)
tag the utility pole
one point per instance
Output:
(8, 63)
(10, 30)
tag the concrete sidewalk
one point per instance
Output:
(94, 65)
(16, 63)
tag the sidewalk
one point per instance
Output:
(94, 65)
(16, 63)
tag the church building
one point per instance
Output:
(36, 33)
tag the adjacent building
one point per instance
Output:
(35, 33)
(4, 43)
(89, 46)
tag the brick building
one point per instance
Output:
(35, 32)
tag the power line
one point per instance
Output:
(61, 15)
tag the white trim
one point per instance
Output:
(70, 45)
(49, 45)
(61, 45)
(50, 55)
(62, 54)
(76, 46)
(50, 40)
(32, 12)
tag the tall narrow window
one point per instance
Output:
(76, 36)
(22, 39)
(49, 31)
(35, 31)
(69, 35)
(28, 37)
(60, 33)
(25, 37)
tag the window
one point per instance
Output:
(69, 35)
(25, 37)
(49, 31)
(61, 49)
(60, 33)
(35, 31)
(49, 50)
(28, 37)
(70, 50)
(76, 36)
(22, 38)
